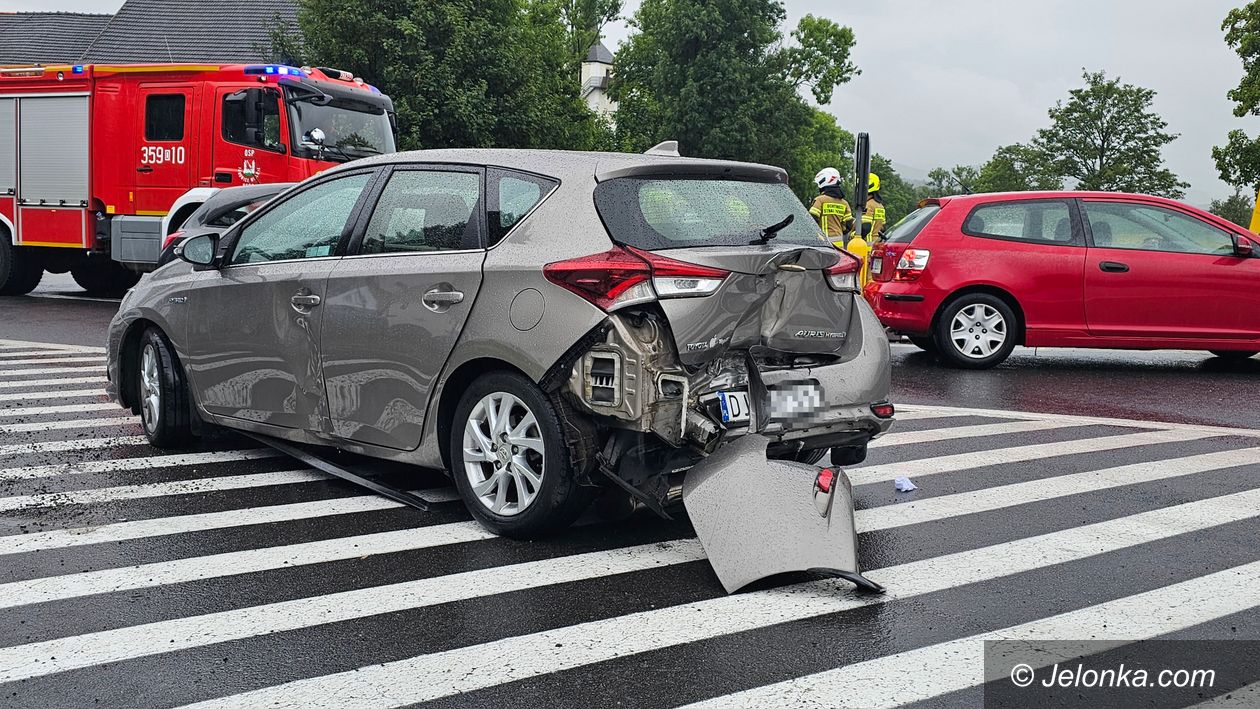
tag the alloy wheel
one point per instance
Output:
(503, 454)
(150, 388)
(978, 331)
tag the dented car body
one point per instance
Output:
(543, 325)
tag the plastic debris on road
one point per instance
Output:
(903, 484)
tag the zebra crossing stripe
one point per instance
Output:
(29, 395)
(36, 383)
(52, 370)
(72, 445)
(992, 498)
(1018, 454)
(62, 409)
(47, 360)
(971, 431)
(41, 426)
(959, 664)
(47, 346)
(151, 490)
(936, 411)
(146, 463)
(480, 666)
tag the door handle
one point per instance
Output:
(303, 300)
(1113, 267)
(145, 169)
(436, 299)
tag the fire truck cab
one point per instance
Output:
(99, 163)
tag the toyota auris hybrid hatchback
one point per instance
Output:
(538, 324)
(971, 277)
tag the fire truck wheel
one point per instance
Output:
(162, 393)
(100, 276)
(20, 269)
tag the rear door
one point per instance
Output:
(397, 304)
(256, 323)
(1159, 272)
(164, 170)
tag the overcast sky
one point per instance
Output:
(948, 82)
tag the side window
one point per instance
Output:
(251, 117)
(513, 194)
(1041, 221)
(164, 117)
(425, 210)
(307, 225)
(1119, 225)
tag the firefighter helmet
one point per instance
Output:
(873, 184)
(827, 177)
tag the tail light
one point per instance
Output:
(844, 275)
(624, 276)
(911, 264)
(171, 238)
(825, 478)
(883, 410)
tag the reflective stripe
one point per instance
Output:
(880, 214)
(814, 211)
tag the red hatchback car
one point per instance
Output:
(971, 277)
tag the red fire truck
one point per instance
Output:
(98, 163)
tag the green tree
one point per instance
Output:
(714, 75)
(477, 74)
(900, 197)
(821, 144)
(1016, 168)
(1106, 137)
(1236, 208)
(961, 179)
(584, 22)
(1238, 160)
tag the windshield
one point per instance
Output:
(662, 213)
(355, 128)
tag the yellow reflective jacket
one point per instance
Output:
(876, 216)
(833, 214)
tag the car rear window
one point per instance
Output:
(904, 231)
(656, 214)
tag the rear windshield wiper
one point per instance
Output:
(773, 230)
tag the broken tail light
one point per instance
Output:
(844, 275)
(624, 276)
(911, 264)
(171, 238)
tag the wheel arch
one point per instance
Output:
(128, 351)
(453, 388)
(1006, 296)
(184, 206)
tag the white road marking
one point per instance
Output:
(52, 346)
(52, 382)
(62, 409)
(958, 664)
(30, 395)
(1017, 454)
(39, 426)
(992, 498)
(145, 463)
(1247, 697)
(937, 411)
(62, 360)
(71, 445)
(150, 490)
(474, 667)
(973, 431)
(81, 369)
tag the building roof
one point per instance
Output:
(599, 53)
(47, 37)
(223, 31)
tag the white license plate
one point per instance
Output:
(877, 266)
(735, 406)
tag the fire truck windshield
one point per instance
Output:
(352, 128)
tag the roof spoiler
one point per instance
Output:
(667, 148)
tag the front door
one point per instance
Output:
(398, 303)
(1157, 272)
(256, 326)
(164, 159)
(249, 143)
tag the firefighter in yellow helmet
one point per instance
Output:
(830, 207)
(873, 216)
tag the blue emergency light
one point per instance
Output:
(274, 70)
(77, 69)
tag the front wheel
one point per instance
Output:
(510, 460)
(976, 331)
(1235, 355)
(162, 393)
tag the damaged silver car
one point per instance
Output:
(542, 325)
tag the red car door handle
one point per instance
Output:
(1113, 267)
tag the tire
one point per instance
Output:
(925, 343)
(543, 469)
(20, 269)
(848, 455)
(1235, 355)
(101, 276)
(162, 393)
(976, 331)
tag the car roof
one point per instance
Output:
(1052, 194)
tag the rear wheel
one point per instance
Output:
(1234, 355)
(162, 393)
(20, 268)
(102, 276)
(510, 460)
(976, 331)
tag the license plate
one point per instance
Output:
(735, 406)
(877, 266)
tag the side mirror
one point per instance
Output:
(1243, 247)
(314, 136)
(199, 250)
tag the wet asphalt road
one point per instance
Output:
(136, 577)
